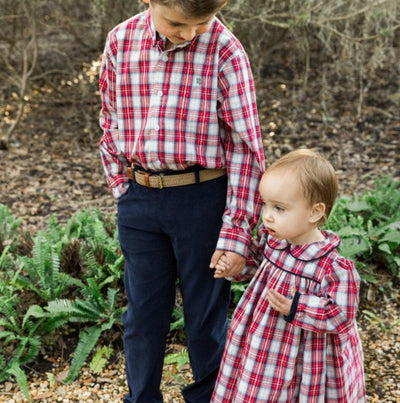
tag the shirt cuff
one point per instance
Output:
(120, 190)
(234, 241)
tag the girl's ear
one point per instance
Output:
(146, 1)
(317, 212)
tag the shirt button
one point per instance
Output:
(165, 58)
(158, 162)
(160, 93)
(156, 127)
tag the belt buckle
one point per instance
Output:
(158, 176)
(160, 180)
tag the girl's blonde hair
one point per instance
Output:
(316, 175)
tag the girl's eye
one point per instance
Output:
(279, 208)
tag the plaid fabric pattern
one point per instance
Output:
(317, 357)
(171, 109)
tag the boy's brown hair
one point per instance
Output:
(316, 175)
(194, 8)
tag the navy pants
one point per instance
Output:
(167, 234)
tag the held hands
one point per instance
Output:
(227, 264)
(230, 264)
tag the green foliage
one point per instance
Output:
(94, 308)
(369, 227)
(42, 271)
(100, 359)
(179, 359)
(237, 290)
(9, 226)
(70, 276)
(20, 332)
(375, 319)
(100, 251)
(178, 319)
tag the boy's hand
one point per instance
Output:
(279, 302)
(227, 264)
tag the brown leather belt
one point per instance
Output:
(159, 181)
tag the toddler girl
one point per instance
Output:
(293, 336)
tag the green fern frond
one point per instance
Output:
(89, 308)
(53, 323)
(100, 359)
(33, 311)
(61, 306)
(2, 364)
(69, 308)
(87, 341)
(32, 350)
(7, 336)
(112, 296)
(93, 293)
(20, 377)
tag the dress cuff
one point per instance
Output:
(293, 308)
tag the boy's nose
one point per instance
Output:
(188, 34)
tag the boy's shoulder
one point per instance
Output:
(137, 22)
(223, 40)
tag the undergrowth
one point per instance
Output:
(70, 277)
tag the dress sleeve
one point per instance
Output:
(114, 162)
(334, 309)
(243, 153)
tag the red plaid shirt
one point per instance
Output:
(314, 355)
(171, 109)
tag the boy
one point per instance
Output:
(182, 152)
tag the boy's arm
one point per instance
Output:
(335, 309)
(114, 161)
(243, 153)
(249, 266)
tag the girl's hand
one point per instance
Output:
(279, 302)
(227, 264)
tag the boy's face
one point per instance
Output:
(175, 26)
(286, 213)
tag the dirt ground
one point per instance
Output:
(51, 167)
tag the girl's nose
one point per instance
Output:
(267, 216)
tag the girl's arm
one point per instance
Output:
(334, 309)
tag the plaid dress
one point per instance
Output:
(312, 355)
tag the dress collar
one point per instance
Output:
(307, 252)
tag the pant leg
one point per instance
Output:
(150, 274)
(194, 231)
(159, 231)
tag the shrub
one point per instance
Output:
(369, 227)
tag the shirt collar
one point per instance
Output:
(307, 252)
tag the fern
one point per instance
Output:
(43, 275)
(87, 341)
(100, 359)
(20, 377)
(9, 226)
